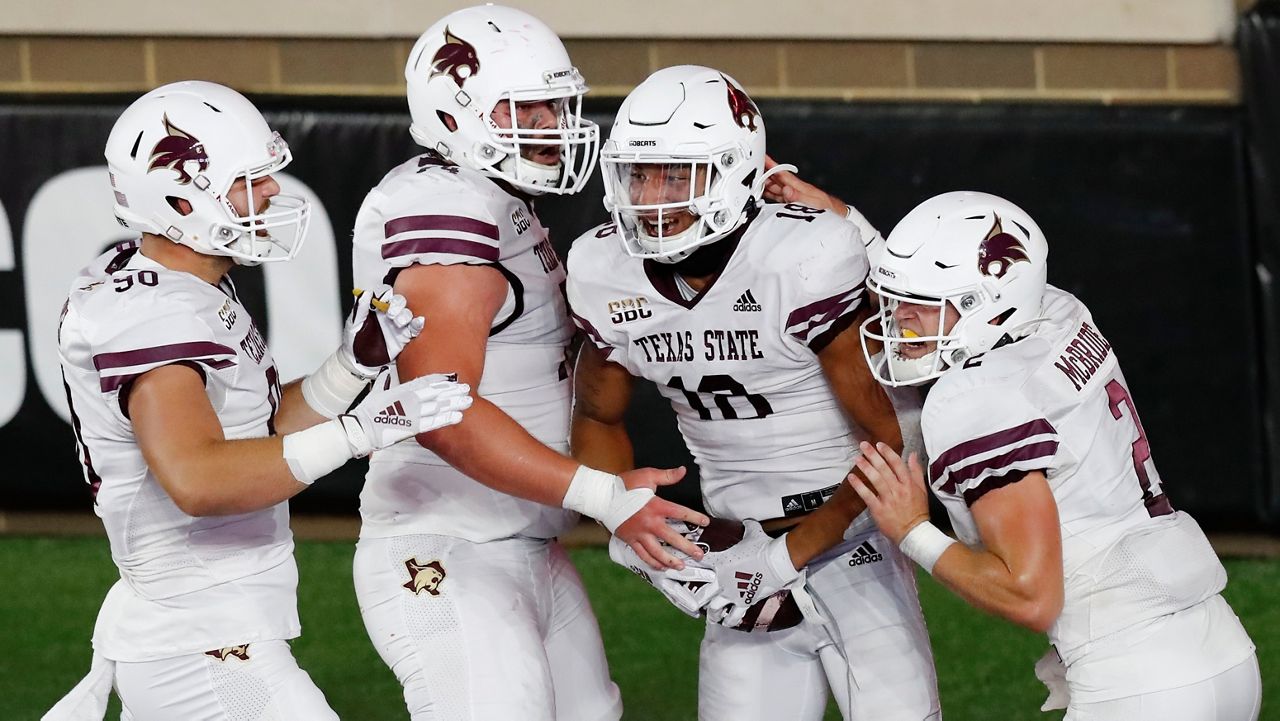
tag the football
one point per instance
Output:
(775, 613)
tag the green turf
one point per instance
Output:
(52, 589)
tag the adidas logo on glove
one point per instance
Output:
(393, 415)
(748, 585)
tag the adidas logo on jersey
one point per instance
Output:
(866, 553)
(747, 302)
(393, 415)
(748, 585)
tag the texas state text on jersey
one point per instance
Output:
(738, 360)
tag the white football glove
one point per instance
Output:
(689, 589)
(751, 570)
(386, 417)
(379, 326)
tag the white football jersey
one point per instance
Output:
(187, 584)
(428, 212)
(738, 361)
(1057, 402)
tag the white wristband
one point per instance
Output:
(332, 388)
(316, 451)
(603, 497)
(925, 544)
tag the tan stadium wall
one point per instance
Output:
(1155, 51)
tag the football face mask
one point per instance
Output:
(661, 206)
(913, 332)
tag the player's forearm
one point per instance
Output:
(605, 446)
(229, 477)
(294, 413)
(493, 449)
(986, 582)
(823, 529)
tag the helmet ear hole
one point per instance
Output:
(447, 120)
(1000, 319)
(181, 206)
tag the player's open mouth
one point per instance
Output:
(546, 155)
(664, 229)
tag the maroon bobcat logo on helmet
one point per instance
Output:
(743, 108)
(457, 57)
(175, 150)
(999, 251)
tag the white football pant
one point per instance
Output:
(484, 631)
(1233, 695)
(265, 686)
(872, 655)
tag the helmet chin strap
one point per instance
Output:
(533, 175)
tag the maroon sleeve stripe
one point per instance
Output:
(585, 326)
(460, 223)
(821, 308)
(450, 246)
(195, 350)
(803, 322)
(1001, 464)
(972, 495)
(111, 383)
(985, 444)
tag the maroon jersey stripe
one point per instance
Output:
(111, 383)
(986, 444)
(195, 350)
(1043, 450)
(801, 321)
(452, 246)
(440, 222)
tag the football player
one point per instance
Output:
(501, 626)
(1039, 457)
(744, 316)
(189, 440)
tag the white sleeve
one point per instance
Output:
(831, 287)
(983, 438)
(437, 229)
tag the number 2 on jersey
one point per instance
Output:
(1152, 493)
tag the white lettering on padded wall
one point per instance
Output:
(70, 221)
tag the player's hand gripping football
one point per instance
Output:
(894, 491)
(393, 414)
(751, 570)
(379, 326)
(647, 530)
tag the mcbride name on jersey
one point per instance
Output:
(427, 212)
(127, 315)
(1056, 401)
(737, 360)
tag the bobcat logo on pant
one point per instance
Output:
(424, 576)
(222, 654)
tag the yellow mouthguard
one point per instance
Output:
(908, 333)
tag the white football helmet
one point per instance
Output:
(687, 139)
(192, 141)
(975, 252)
(473, 59)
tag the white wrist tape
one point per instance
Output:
(317, 451)
(603, 497)
(333, 387)
(925, 544)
